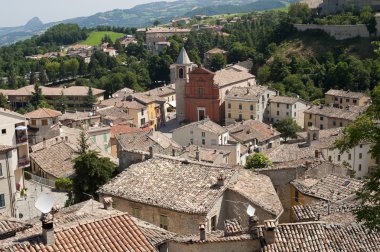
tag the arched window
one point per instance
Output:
(181, 73)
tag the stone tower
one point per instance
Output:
(181, 69)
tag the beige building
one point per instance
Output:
(75, 96)
(281, 107)
(342, 99)
(211, 135)
(244, 103)
(44, 124)
(101, 136)
(178, 195)
(161, 34)
(14, 157)
(323, 117)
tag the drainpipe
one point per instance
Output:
(11, 196)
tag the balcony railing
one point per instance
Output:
(23, 162)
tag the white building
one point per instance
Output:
(14, 156)
(208, 134)
(281, 107)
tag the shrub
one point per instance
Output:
(64, 184)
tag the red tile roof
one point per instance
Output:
(117, 233)
(43, 113)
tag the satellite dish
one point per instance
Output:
(251, 211)
(44, 203)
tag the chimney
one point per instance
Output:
(173, 152)
(316, 154)
(220, 181)
(44, 143)
(47, 229)
(269, 231)
(253, 222)
(202, 232)
(197, 154)
(107, 202)
(151, 154)
(308, 164)
(66, 138)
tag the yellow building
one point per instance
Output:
(155, 106)
(323, 117)
(342, 99)
(245, 103)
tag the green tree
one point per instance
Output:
(366, 129)
(72, 66)
(288, 128)
(43, 77)
(37, 96)
(257, 160)
(3, 101)
(32, 78)
(62, 103)
(218, 61)
(52, 70)
(300, 12)
(90, 98)
(156, 22)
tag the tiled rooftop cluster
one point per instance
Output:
(232, 227)
(170, 184)
(284, 99)
(231, 75)
(56, 91)
(331, 187)
(77, 116)
(206, 125)
(111, 233)
(347, 114)
(320, 237)
(251, 93)
(252, 129)
(343, 93)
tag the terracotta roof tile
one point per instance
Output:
(345, 94)
(233, 74)
(252, 129)
(206, 125)
(6, 148)
(246, 93)
(43, 113)
(285, 99)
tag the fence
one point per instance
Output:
(40, 180)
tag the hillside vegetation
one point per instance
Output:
(95, 38)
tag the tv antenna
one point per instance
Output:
(44, 203)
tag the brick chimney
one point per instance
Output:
(48, 229)
(44, 143)
(173, 152)
(253, 222)
(269, 231)
(151, 153)
(316, 153)
(107, 202)
(220, 181)
(202, 232)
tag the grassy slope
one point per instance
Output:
(309, 46)
(95, 37)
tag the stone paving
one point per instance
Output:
(25, 206)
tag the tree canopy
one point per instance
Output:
(257, 160)
(288, 128)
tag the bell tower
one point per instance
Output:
(180, 74)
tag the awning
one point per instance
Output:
(172, 103)
(21, 128)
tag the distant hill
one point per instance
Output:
(144, 15)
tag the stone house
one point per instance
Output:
(331, 188)
(134, 147)
(178, 195)
(281, 107)
(255, 135)
(208, 134)
(342, 99)
(44, 124)
(54, 161)
(324, 117)
(244, 103)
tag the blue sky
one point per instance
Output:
(18, 12)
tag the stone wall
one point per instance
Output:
(339, 32)
(227, 246)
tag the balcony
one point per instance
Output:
(21, 135)
(23, 162)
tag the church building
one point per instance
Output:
(200, 93)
